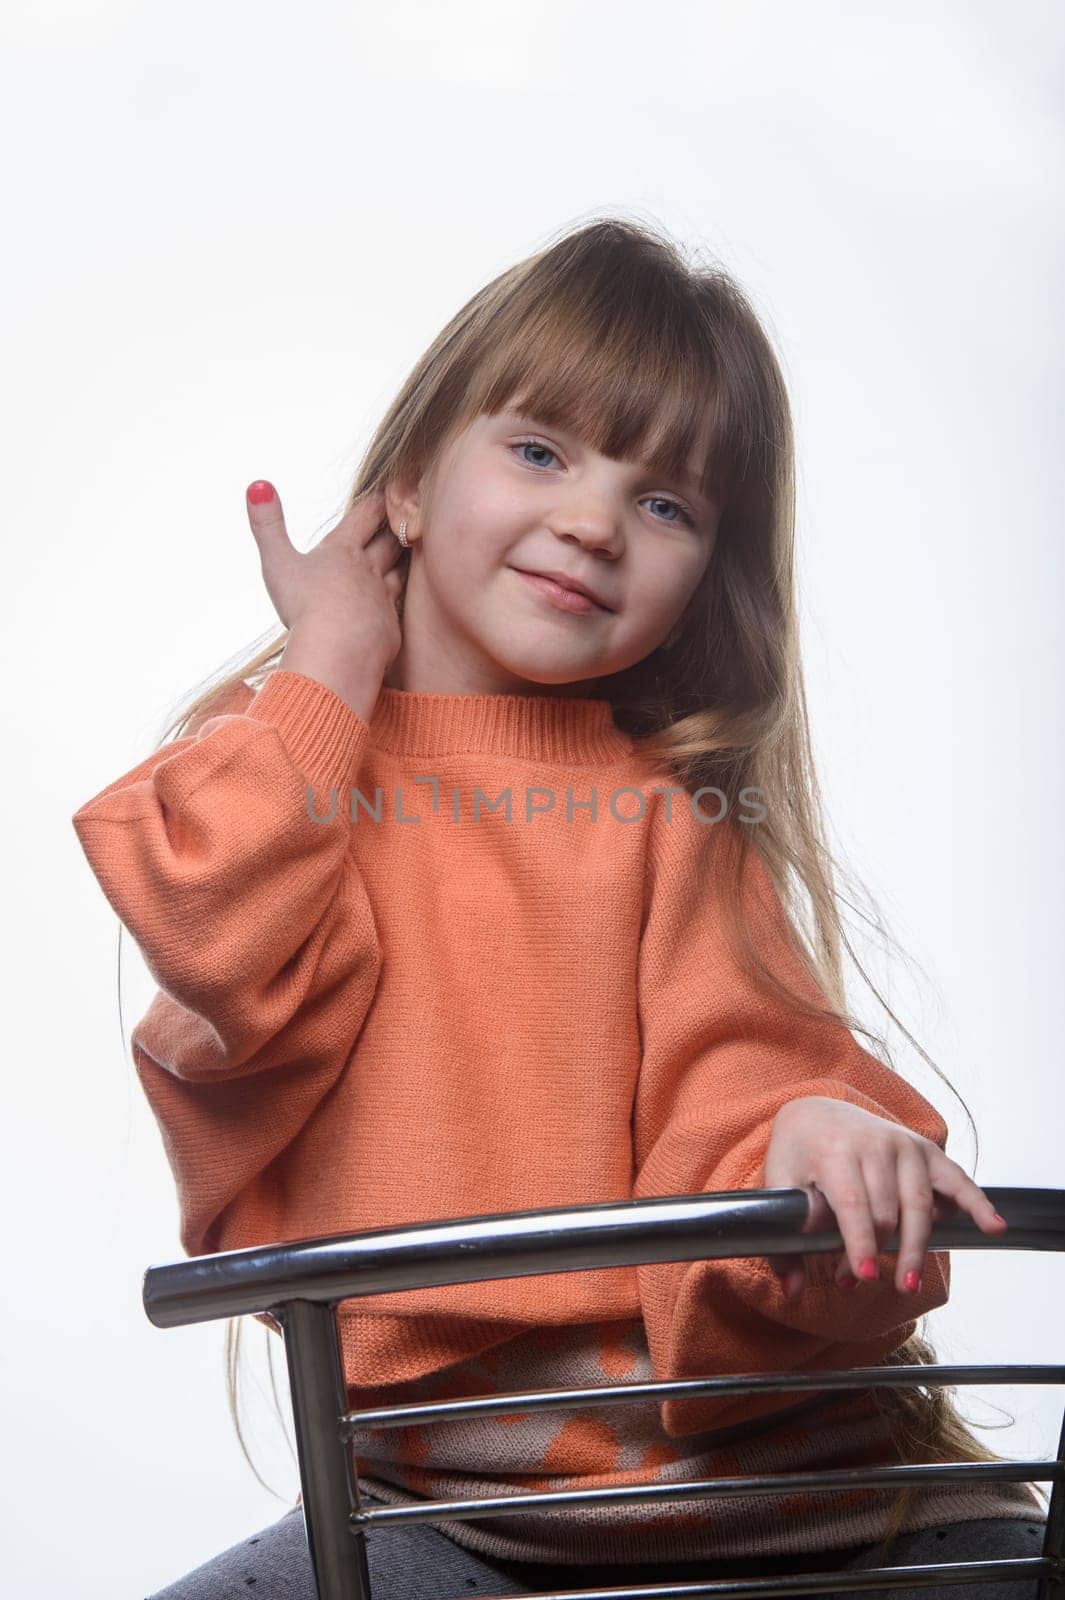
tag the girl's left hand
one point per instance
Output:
(863, 1173)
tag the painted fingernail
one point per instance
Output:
(912, 1281)
(260, 492)
(847, 1281)
(998, 1218)
(868, 1268)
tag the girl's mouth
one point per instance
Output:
(564, 599)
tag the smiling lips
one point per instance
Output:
(566, 592)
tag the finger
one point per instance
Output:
(918, 1204)
(783, 1266)
(267, 518)
(388, 565)
(395, 584)
(791, 1269)
(364, 519)
(843, 1185)
(949, 1179)
(880, 1175)
(844, 1277)
(793, 1282)
(790, 1272)
(385, 548)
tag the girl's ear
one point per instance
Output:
(401, 505)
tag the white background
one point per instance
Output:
(230, 231)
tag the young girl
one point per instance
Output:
(472, 893)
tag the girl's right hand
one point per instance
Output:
(348, 584)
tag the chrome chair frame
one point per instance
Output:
(301, 1282)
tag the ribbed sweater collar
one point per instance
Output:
(541, 727)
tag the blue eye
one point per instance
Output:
(685, 515)
(533, 444)
(538, 444)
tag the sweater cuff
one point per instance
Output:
(325, 738)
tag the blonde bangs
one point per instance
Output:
(638, 378)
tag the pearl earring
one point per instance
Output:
(402, 536)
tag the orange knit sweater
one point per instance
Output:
(453, 1003)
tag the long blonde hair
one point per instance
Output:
(609, 332)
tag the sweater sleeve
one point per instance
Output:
(719, 1059)
(253, 920)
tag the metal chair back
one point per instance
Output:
(301, 1283)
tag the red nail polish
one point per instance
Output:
(912, 1281)
(848, 1281)
(1000, 1219)
(260, 492)
(868, 1268)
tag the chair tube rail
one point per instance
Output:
(417, 1413)
(818, 1583)
(518, 1244)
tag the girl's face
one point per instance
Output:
(512, 497)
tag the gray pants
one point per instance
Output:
(419, 1562)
